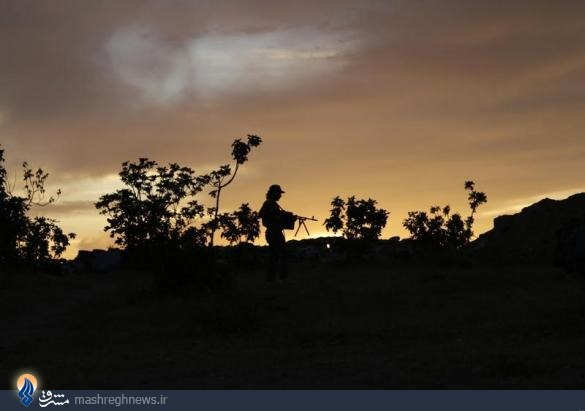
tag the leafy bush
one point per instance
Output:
(22, 238)
(356, 219)
(243, 225)
(440, 228)
(157, 205)
(161, 225)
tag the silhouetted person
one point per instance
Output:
(275, 219)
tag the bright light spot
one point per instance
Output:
(515, 206)
(218, 64)
(84, 189)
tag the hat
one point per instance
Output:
(275, 188)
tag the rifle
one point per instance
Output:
(302, 220)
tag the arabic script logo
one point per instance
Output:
(27, 384)
(48, 398)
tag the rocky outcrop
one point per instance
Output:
(547, 232)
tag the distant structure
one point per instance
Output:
(97, 261)
(547, 232)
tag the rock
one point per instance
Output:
(543, 233)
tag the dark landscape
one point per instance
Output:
(363, 327)
(171, 310)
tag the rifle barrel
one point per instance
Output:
(307, 218)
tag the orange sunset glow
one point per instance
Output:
(399, 101)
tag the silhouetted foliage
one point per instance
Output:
(356, 219)
(158, 220)
(44, 240)
(32, 240)
(157, 205)
(223, 177)
(243, 225)
(440, 228)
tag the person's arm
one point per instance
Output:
(286, 219)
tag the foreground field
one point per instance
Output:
(351, 327)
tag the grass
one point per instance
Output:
(366, 327)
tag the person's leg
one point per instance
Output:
(272, 258)
(282, 263)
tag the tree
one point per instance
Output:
(440, 228)
(13, 219)
(223, 177)
(356, 219)
(44, 240)
(157, 205)
(475, 199)
(243, 225)
(32, 240)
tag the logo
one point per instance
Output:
(48, 398)
(27, 384)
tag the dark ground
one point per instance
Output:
(353, 328)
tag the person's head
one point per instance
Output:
(274, 192)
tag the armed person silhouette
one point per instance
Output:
(275, 219)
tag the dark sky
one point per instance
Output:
(401, 101)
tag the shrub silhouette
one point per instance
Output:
(440, 228)
(44, 240)
(243, 225)
(223, 177)
(157, 206)
(356, 219)
(22, 238)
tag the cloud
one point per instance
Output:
(64, 208)
(220, 64)
(139, 59)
